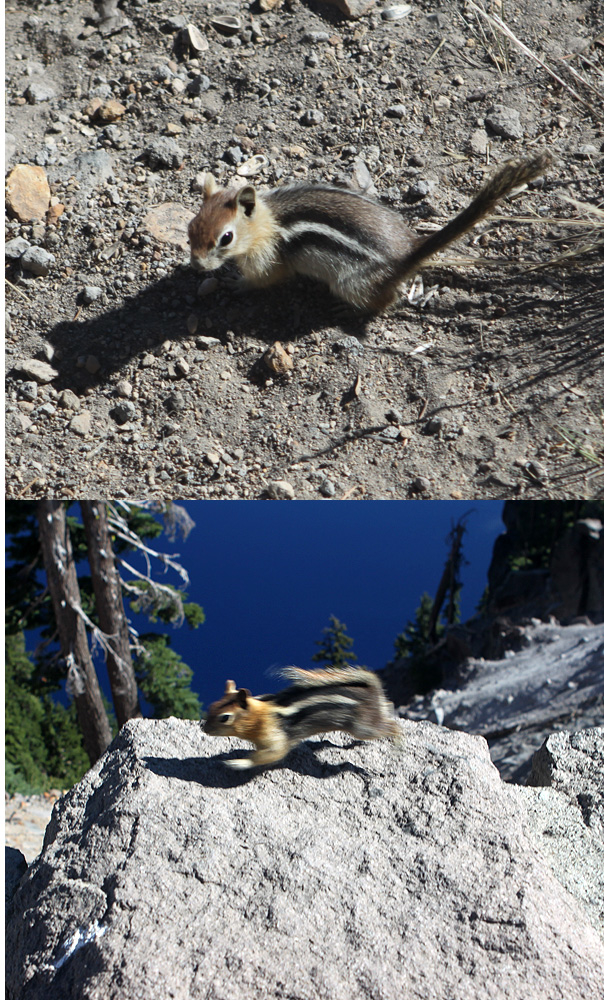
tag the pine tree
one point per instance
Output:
(336, 648)
(44, 744)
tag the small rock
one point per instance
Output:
(69, 401)
(15, 249)
(37, 92)
(435, 426)
(479, 141)
(279, 489)
(396, 111)
(394, 416)
(182, 367)
(28, 391)
(169, 223)
(123, 412)
(174, 22)
(105, 112)
(277, 360)
(212, 458)
(175, 402)
(81, 423)
(206, 342)
(40, 371)
(27, 192)
(234, 155)
(312, 117)
(315, 36)
(198, 85)
(206, 287)
(47, 410)
(123, 389)
(92, 364)
(442, 103)
(163, 153)
(91, 293)
(505, 122)
(38, 261)
(421, 484)
(327, 488)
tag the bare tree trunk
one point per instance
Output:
(449, 580)
(63, 584)
(110, 610)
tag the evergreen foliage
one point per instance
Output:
(43, 743)
(165, 680)
(335, 648)
(44, 746)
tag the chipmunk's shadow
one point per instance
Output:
(214, 773)
(162, 311)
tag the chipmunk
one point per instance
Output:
(361, 249)
(347, 699)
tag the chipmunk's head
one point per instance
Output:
(233, 714)
(222, 228)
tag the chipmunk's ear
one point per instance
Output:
(230, 688)
(242, 696)
(247, 199)
(209, 185)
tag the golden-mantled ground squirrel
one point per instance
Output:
(347, 699)
(361, 249)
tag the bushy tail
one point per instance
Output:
(330, 675)
(512, 174)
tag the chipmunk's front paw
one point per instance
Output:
(239, 763)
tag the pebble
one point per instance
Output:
(124, 389)
(81, 423)
(27, 192)
(40, 371)
(280, 489)
(206, 342)
(91, 293)
(505, 122)
(47, 410)
(277, 360)
(92, 364)
(38, 92)
(312, 117)
(327, 488)
(163, 153)
(105, 111)
(15, 249)
(168, 223)
(396, 111)
(123, 412)
(586, 151)
(421, 484)
(182, 367)
(69, 401)
(28, 391)
(175, 402)
(315, 36)
(479, 142)
(198, 85)
(394, 416)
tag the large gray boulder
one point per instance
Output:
(351, 871)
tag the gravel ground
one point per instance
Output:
(25, 820)
(148, 380)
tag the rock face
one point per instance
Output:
(517, 701)
(353, 871)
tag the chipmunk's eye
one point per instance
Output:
(224, 717)
(225, 239)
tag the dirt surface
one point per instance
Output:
(480, 389)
